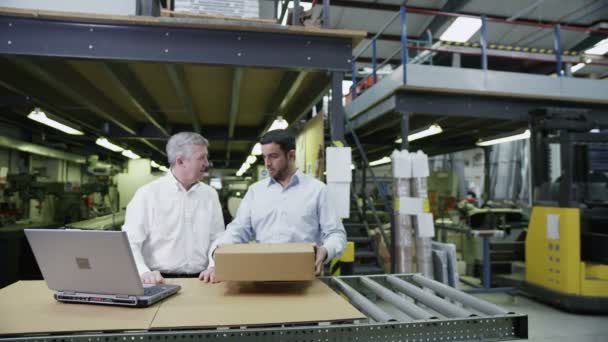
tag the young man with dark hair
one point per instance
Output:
(289, 206)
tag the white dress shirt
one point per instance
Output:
(299, 212)
(170, 228)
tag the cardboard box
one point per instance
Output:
(265, 262)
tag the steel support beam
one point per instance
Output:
(337, 116)
(169, 43)
(405, 130)
(477, 106)
(377, 111)
(234, 108)
(120, 76)
(78, 96)
(216, 133)
(74, 93)
(50, 108)
(295, 85)
(494, 18)
(176, 75)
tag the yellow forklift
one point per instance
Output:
(567, 239)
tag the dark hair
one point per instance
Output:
(282, 137)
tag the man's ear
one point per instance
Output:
(291, 154)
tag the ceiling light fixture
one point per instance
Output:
(103, 142)
(243, 169)
(250, 160)
(381, 161)
(278, 123)
(423, 133)
(461, 30)
(43, 118)
(500, 140)
(154, 164)
(577, 67)
(256, 150)
(599, 49)
(163, 168)
(129, 154)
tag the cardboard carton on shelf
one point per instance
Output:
(265, 262)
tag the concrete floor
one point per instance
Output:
(546, 323)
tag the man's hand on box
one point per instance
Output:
(153, 277)
(320, 256)
(208, 275)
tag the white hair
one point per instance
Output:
(180, 145)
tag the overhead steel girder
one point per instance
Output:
(385, 107)
(78, 97)
(150, 132)
(73, 93)
(48, 108)
(176, 74)
(173, 44)
(234, 108)
(124, 81)
(482, 106)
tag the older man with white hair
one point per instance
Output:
(172, 221)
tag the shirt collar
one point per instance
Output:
(176, 185)
(295, 179)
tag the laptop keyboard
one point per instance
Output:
(151, 291)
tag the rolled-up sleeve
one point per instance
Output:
(239, 230)
(136, 227)
(333, 235)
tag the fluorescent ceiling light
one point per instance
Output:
(278, 123)
(599, 49)
(431, 130)
(256, 150)
(154, 164)
(520, 136)
(594, 130)
(103, 142)
(250, 160)
(242, 170)
(381, 161)
(577, 67)
(130, 154)
(41, 117)
(461, 30)
(163, 168)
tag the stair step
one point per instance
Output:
(354, 225)
(360, 239)
(360, 254)
(367, 269)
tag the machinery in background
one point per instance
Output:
(25, 197)
(566, 244)
(463, 226)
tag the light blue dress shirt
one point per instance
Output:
(300, 212)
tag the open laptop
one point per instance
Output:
(95, 267)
